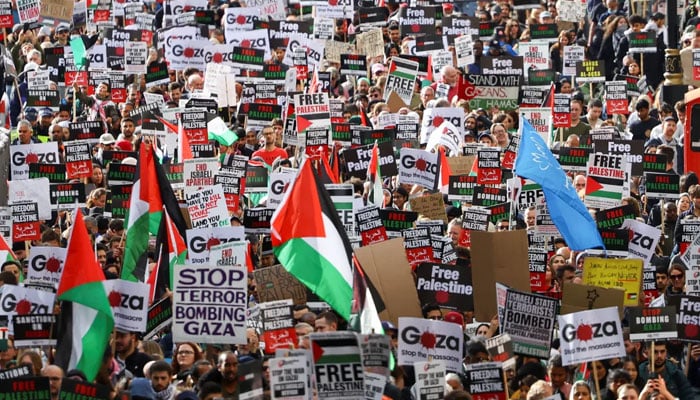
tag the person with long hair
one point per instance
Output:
(184, 357)
(556, 52)
(613, 28)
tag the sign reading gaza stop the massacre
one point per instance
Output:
(421, 338)
(590, 335)
(209, 304)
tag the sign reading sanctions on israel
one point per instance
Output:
(210, 304)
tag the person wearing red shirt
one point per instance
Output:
(270, 152)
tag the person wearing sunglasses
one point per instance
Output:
(675, 285)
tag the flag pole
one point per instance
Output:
(595, 379)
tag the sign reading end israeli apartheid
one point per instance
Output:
(209, 304)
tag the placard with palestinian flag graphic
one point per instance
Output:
(605, 176)
(333, 352)
(401, 79)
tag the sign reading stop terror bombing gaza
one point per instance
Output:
(209, 304)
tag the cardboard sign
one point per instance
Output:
(449, 286)
(497, 257)
(652, 323)
(430, 206)
(590, 335)
(444, 342)
(275, 283)
(386, 265)
(129, 302)
(337, 351)
(529, 320)
(610, 273)
(209, 304)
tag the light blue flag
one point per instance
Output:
(536, 162)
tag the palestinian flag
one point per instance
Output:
(6, 254)
(444, 172)
(172, 251)
(184, 151)
(311, 243)
(608, 188)
(220, 132)
(374, 177)
(403, 68)
(151, 194)
(365, 316)
(86, 321)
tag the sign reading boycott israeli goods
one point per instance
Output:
(590, 335)
(401, 79)
(209, 304)
(486, 381)
(21, 155)
(312, 111)
(615, 273)
(288, 378)
(278, 325)
(422, 338)
(430, 380)
(605, 177)
(338, 365)
(447, 285)
(529, 320)
(687, 317)
(418, 167)
(207, 206)
(46, 266)
(652, 323)
(129, 302)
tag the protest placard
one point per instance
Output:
(486, 380)
(275, 283)
(376, 353)
(160, 315)
(687, 316)
(46, 266)
(34, 330)
(27, 387)
(605, 177)
(529, 320)
(430, 380)
(21, 155)
(339, 351)
(449, 286)
(201, 240)
(289, 377)
(609, 273)
(652, 323)
(444, 339)
(129, 302)
(278, 325)
(418, 167)
(590, 335)
(209, 304)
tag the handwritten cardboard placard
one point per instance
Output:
(431, 206)
(616, 273)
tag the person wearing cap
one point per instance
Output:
(392, 331)
(27, 35)
(496, 15)
(62, 35)
(44, 122)
(378, 70)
